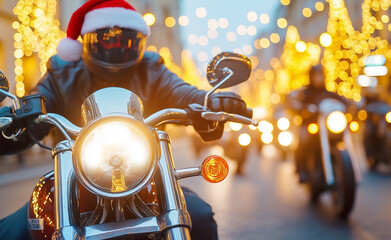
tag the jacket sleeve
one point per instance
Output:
(45, 88)
(171, 91)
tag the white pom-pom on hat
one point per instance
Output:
(97, 14)
(69, 49)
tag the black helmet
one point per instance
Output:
(111, 52)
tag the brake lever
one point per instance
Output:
(223, 116)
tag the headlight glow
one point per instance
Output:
(336, 122)
(283, 124)
(114, 156)
(285, 138)
(388, 117)
(244, 139)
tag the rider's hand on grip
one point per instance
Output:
(229, 102)
(208, 130)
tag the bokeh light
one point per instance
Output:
(213, 23)
(149, 19)
(241, 30)
(319, 6)
(275, 38)
(325, 40)
(307, 12)
(201, 12)
(203, 41)
(252, 31)
(192, 39)
(212, 33)
(170, 22)
(183, 21)
(231, 36)
(264, 18)
(252, 16)
(223, 23)
(300, 46)
(282, 23)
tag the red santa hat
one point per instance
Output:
(97, 14)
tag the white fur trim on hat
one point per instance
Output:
(114, 16)
(69, 49)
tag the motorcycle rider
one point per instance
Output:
(375, 131)
(112, 53)
(306, 101)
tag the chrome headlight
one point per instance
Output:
(336, 122)
(115, 156)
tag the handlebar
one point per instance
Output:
(163, 116)
(172, 114)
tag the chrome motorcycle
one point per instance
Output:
(118, 179)
(329, 160)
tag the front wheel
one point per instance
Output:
(344, 189)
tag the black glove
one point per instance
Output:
(229, 102)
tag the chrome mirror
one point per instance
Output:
(236, 66)
(226, 70)
(4, 86)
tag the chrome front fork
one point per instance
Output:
(174, 205)
(65, 188)
(326, 154)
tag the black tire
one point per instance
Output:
(344, 189)
(316, 184)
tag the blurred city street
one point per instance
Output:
(296, 95)
(265, 203)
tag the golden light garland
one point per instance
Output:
(344, 59)
(295, 62)
(37, 32)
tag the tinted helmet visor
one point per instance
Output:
(114, 47)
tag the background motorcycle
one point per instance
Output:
(377, 134)
(123, 182)
(329, 161)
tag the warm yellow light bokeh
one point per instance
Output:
(307, 12)
(300, 46)
(149, 19)
(282, 23)
(170, 22)
(325, 40)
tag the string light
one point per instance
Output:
(37, 32)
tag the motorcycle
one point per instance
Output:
(329, 162)
(118, 179)
(377, 134)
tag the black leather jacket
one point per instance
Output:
(67, 84)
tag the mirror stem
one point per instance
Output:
(230, 73)
(15, 100)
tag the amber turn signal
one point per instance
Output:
(214, 169)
